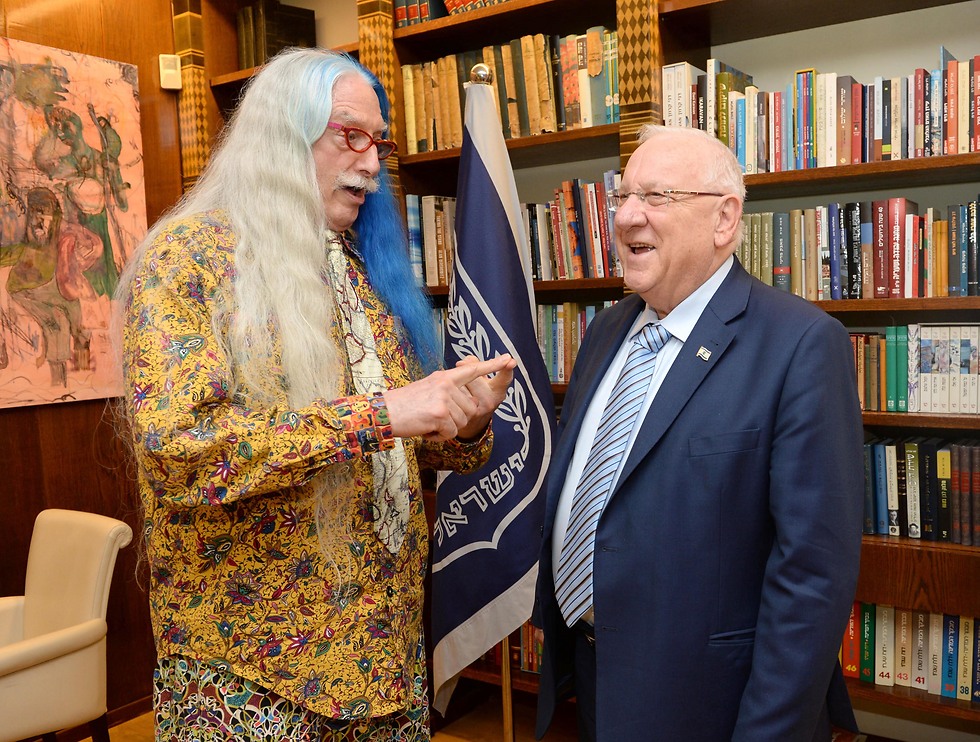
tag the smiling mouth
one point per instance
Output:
(639, 248)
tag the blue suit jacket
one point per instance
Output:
(727, 557)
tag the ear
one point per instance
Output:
(729, 221)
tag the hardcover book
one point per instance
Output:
(884, 645)
(951, 639)
(964, 659)
(920, 650)
(904, 647)
(851, 644)
(867, 663)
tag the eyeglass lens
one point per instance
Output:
(360, 141)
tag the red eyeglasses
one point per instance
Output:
(359, 141)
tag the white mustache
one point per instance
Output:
(352, 180)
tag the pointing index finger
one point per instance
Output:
(467, 372)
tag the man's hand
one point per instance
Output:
(457, 402)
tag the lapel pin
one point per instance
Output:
(703, 353)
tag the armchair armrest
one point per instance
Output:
(11, 619)
(31, 652)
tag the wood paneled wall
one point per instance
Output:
(66, 455)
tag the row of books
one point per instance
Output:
(542, 84)
(526, 651)
(937, 653)
(431, 237)
(570, 237)
(920, 367)
(266, 27)
(410, 12)
(560, 329)
(923, 488)
(455, 7)
(865, 250)
(822, 119)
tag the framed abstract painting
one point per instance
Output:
(72, 208)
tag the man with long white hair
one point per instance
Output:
(282, 392)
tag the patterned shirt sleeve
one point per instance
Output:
(194, 441)
(462, 457)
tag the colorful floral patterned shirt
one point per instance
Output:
(237, 573)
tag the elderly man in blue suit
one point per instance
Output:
(703, 521)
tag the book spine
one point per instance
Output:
(781, 267)
(532, 93)
(558, 90)
(881, 489)
(920, 651)
(884, 645)
(867, 660)
(913, 507)
(596, 71)
(546, 89)
(835, 235)
(903, 647)
(951, 629)
(851, 645)
(943, 479)
(964, 659)
(584, 86)
(569, 67)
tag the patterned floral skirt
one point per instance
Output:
(195, 701)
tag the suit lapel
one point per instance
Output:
(706, 345)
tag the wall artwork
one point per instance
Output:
(72, 208)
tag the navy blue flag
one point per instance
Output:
(487, 526)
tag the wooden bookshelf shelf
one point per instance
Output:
(933, 576)
(494, 24)
(489, 672)
(914, 699)
(552, 292)
(922, 421)
(236, 78)
(436, 172)
(882, 312)
(891, 175)
(729, 21)
(228, 86)
(886, 306)
(422, 172)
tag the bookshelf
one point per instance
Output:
(898, 571)
(771, 41)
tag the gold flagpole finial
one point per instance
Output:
(482, 74)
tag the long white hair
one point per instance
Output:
(262, 176)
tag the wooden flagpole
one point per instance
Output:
(506, 692)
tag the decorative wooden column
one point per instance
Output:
(192, 102)
(640, 60)
(376, 51)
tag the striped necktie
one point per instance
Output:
(573, 584)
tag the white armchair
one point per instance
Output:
(53, 638)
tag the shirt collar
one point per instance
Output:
(681, 321)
